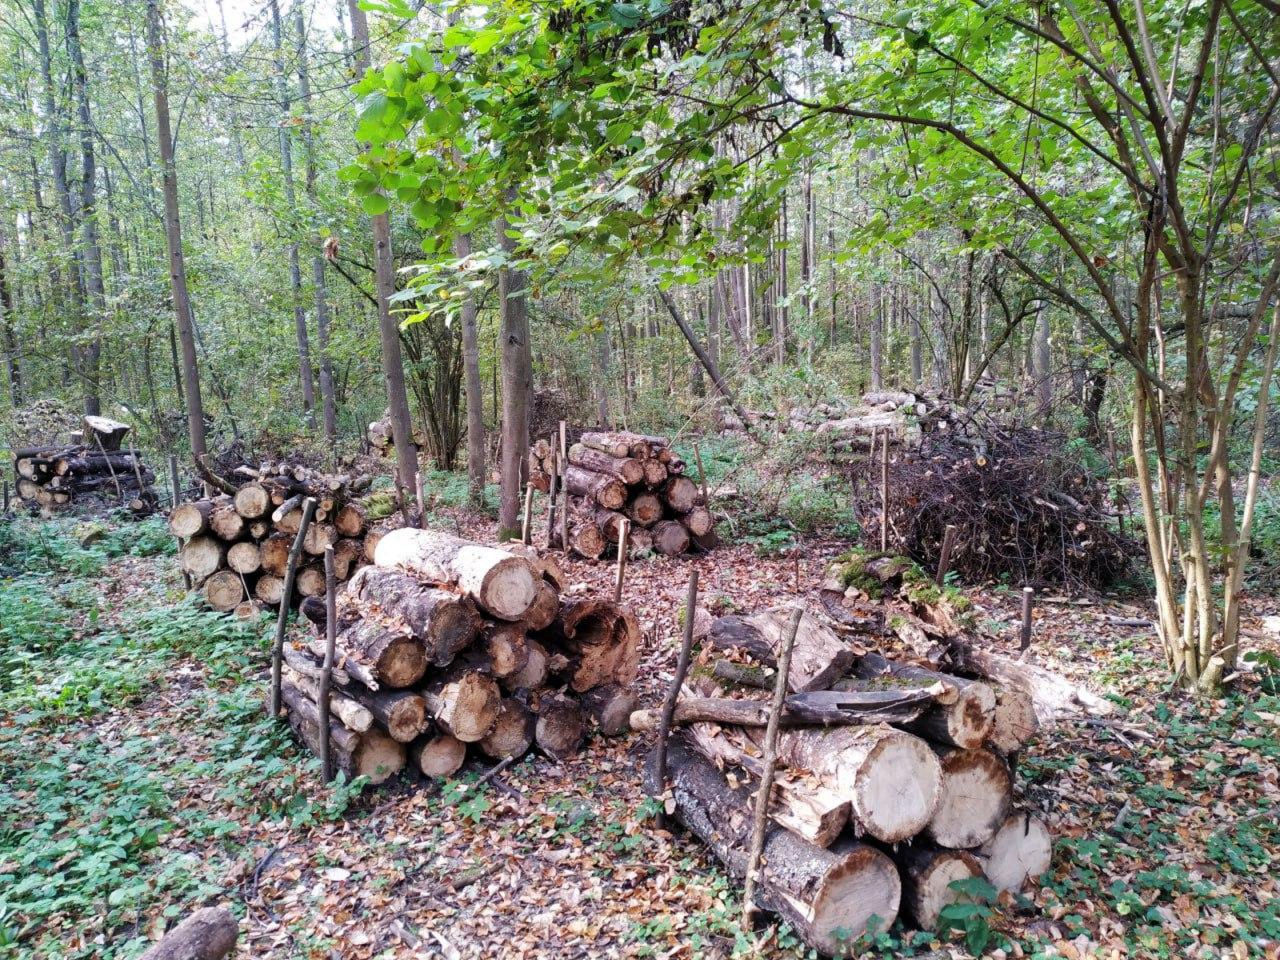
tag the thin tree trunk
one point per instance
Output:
(517, 385)
(173, 234)
(1042, 371)
(474, 388)
(13, 372)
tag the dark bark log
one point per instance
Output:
(603, 489)
(610, 707)
(627, 470)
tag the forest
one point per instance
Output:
(701, 478)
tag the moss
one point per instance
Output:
(851, 570)
(379, 505)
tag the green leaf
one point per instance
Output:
(374, 204)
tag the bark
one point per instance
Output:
(826, 708)
(560, 729)
(513, 732)
(966, 720)
(442, 622)
(603, 489)
(670, 538)
(820, 657)
(354, 715)
(628, 470)
(474, 389)
(599, 642)
(517, 386)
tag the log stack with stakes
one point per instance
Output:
(447, 647)
(54, 477)
(235, 546)
(895, 774)
(616, 476)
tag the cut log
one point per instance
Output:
(625, 469)
(274, 553)
(244, 557)
(602, 488)
(390, 656)
(347, 555)
(964, 722)
(442, 622)
(698, 521)
(560, 730)
(439, 756)
(354, 715)
(976, 792)
(319, 536)
(600, 642)
(828, 897)
(670, 538)
(927, 875)
(1015, 720)
(371, 541)
(208, 934)
(310, 581)
(513, 732)
(825, 708)
(223, 591)
(1020, 850)
(641, 542)
(28, 489)
(290, 521)
(258, 529)
(586, 540)
(609, 522)
(351, 520)
(202, 556)
(534, 673)
(820, 656)
(610, 706)
(186, 520)
(681, 494)
(645, 510)
(371, 754)
(502, 584)
(248, 610)
(253, 501)
(545, 606)
(614, 444)
(402, 713)
(269, 589)
(506, 650)
(655, 472)
(1053, 696)
(464, 704)
(104, 433)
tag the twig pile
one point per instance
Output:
(610, 478)
(896, 775)
(445, 646)
(52, 477)
(235, 546)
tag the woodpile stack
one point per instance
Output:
(53, 477)
(235, 546)
(894, 774)
(610, 477)
(446, 647)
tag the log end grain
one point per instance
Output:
(1021, 850)
(976, 792)
(439, 756)
(897, 787)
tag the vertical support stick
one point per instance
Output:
(286, 601)
(6, 496)
(422, 500)
(770, 763)
(564, 487)
(944, 557)
(702, 474)
(624, 538)
(795, 564)
(326, 670)
(553, 494)
(137, 470)
(884, 492)
(526, 528)
(673, 692)
(176, 487)
(110, 469)
(1028, 595)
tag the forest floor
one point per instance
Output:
(139, 779)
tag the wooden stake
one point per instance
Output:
(6, 496)
(526, 527)
(884, 492)
(564, 487)
(624, 536)
(795, 563)
(673, 692)
(552, 494)
(944, 558)
(110, 469)
(326, 671)
(422, 500)
(286, 601)
(1028, 594)
(770, 762)
(702, 474)
(176, 487)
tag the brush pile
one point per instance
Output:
(446, 647)
(617, 476)
(895, 774)
(235, 546)
(52, 478)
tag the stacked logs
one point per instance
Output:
(894, 779)
(617, 476)
(52, 477)
(446, 647)
(235, 546)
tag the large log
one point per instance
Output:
(269, 589)
(599, 487)
(655, 472)
(827, 896)
(506, 649)
(208, 934)
(586, 540)
(244, 557)
(502, 584)
(645, 510)
(274, 553)
(965, 721)
(351, 520)
(542, 613)
(371, 754)
(619, 444)
(402, 713)
(106, 434)
(202, 556)
(698, 521)
(1020, 850)
(927, 875)
(977, 790)
(626, 469)
(391, 656)
(444, 623)
(559, 730)
(681, 494)
(1015, 720)
(464, 703)
(439, 756)
(670, 538)
(353, 714)
(825, 708)
(609, 522)
(224, 521)
(253, 501)
(599, 641)
(513, 732)
(186, 520)
(1053, 696)
(223, 591)
(819, 658)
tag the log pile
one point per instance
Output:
(53, 478)
(895, 773)
(447, 647)
(615, 476)
(235, 546)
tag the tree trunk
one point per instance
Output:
(475, 391)
(965, 720)
(624, 469)
(603, 489)
(517, 386)
(444, 623)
